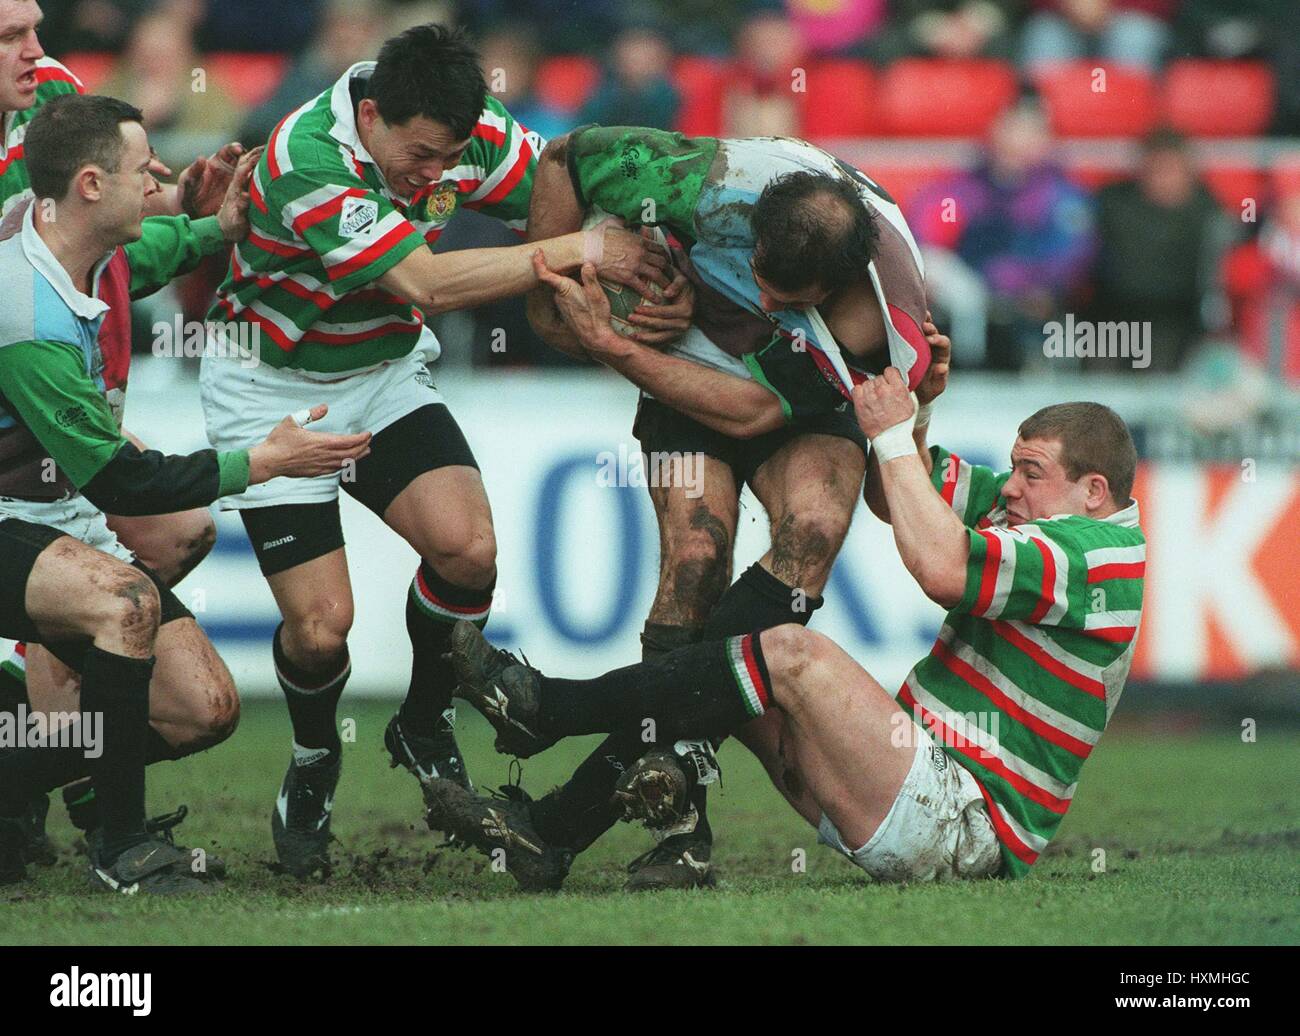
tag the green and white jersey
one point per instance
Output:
(326, 226)
(1030, 663)
(52, 80)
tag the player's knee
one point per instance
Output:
(471, 561)
(811, 533)
(698, 568)
(197, 540)
(212, 719)
(127, 607)
(790, 652)
(317, 639)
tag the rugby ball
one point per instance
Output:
(622, 299)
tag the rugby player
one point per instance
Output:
(68, 583)
(968, 770)
(806, 281)
(337, 278)
(173, 544)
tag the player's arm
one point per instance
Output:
(932, 541)
(200, 188)
(734, 406)
(173, 245)
(931, 387)
(555, 209)
(45, 384)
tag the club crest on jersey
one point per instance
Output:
(441, 203)
(358, 216)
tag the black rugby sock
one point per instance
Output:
(117, 689)
(312, 698)
(756, 601)
(433, 606)
(582, 810)
(700, 691)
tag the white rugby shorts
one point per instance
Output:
(937, 829)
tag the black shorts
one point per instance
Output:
(21, 543)
(660, 428)
(286, 535)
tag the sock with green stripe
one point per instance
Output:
(705, 690)
(433, 606)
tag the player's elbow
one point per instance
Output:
(556, 151)
(763, 416)
(942, 580)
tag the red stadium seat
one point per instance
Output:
(92, 67)
(1089, 99)
(1219, 98)
(1231, 185)
(700, 82)
(249, 78)
(944, 98)
(567, 81)
(904, 182)
(839, 100)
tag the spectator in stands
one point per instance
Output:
(256, 25)
(185, 111)
(1263, 282)
(1017, 225)
(950, 29)
(1126, 32)
(72, 25)
(1162, 239)
(835, 26)
(637, 88)
(759, 100)
(510, 60)
(349, 32)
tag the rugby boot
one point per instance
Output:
(153, 867)
(427, 757)
(501, 687)
(300, 822)
(500, 828)
(656, 789)
(203, 865)
(678, 862)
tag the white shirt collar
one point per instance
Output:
(344, 129)
(87, 307)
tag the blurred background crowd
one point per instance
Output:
(1131, 160)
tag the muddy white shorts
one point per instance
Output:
(241, 404)
(937, 829)
(74, 515)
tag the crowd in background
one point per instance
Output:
(1029, 243)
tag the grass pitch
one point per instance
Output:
(1200, 833)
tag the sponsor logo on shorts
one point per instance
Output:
(423, 377)
(270, 544)
(359, 216)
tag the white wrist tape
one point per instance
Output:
(896, 441)
(923, 413)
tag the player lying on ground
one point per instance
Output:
(173, 544)
(337, 278)
(795, 260)
(969, 769)
(67, 582)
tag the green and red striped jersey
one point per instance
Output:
(326, 226)
(1030, 663)
(52, 80)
